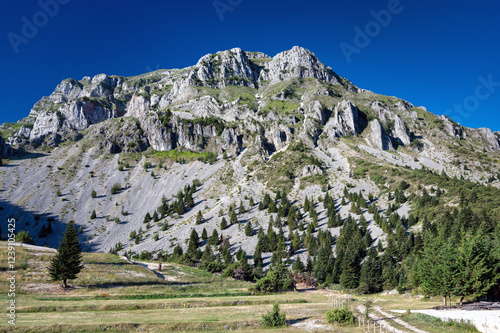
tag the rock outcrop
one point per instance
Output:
(21, 137)
(400, 131)
(488, 136)
(297, 62)
(138, 106)
(344, 122)
(224, 68)
(311, 170)
(5, 149)
(378, 137)
(78, 114)
(452, 129)
(278, 137)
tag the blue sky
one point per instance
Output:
(440, 54)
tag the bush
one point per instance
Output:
(342, 316)
(24, 237)
(274, 318)
(115, 188)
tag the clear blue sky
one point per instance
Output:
(431, 53)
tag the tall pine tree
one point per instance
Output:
(68, 261)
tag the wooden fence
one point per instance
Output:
(366, 325)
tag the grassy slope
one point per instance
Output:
(105, 297)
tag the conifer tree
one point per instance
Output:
(248, 229)
(199, 218)
(223, 224)
(68, 261)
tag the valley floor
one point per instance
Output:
(114, 295)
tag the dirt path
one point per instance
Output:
(398, 320)
(35, 247)
(149, 266)
(381, 318)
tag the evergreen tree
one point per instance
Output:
(223, 224)
(298, 265)
(370, 280)
(233, 219)
(249, 229)
(380, 247)
(199, 218)
(204, 235)
(68, 261)
(194, 243)
(93, 215)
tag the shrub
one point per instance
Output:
(115, 188)
(341, 316)
(274, 318)
(24, 237)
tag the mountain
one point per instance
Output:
(238, 125)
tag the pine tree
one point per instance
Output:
(204, 235)
(214, 239)
(233, 219)
(93, 215)
(194, 242)
(93, 194)
(249, 229)
(223, 224)
(298, 265)
(199, 218)
(68, 261)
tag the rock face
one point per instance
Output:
(21, 137)
(400, 132)
(452, 129)
(230, 67)
(488, 136)
(5, 149)
(79, 115)
(278, 137)
(344, 121)
(311, 170)
(378, 138)
(297, 62)
(138, 106)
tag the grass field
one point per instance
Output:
(113, 295)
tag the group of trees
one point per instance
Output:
(454, 253)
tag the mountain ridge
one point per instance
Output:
(240, 131)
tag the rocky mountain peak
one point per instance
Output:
(231, 67)
(297, 62)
